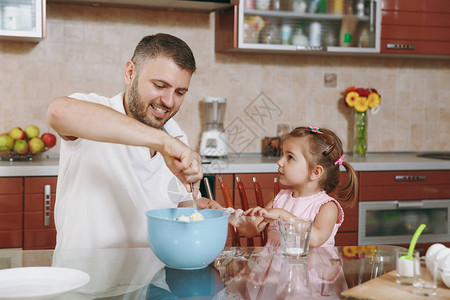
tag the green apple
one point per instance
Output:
(36, 145)
(17, 133)
(32, 131)
(6, 143)
(20, 146)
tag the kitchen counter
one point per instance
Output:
(248, 163)
(40, 166)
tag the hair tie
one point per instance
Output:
(315, 129)
(340, 160)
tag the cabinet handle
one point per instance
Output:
(409, 204)
(401, 46)
(47, 204)
(372, 17)
(311, 48)
(409, 178)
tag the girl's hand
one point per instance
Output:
(268, 215)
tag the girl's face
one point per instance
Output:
(292, 166)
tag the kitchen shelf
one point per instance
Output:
(22, 20)
(295, 15)
(246, 29)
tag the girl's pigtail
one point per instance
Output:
(347, 193)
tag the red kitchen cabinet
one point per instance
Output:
(11, 205)
(404, 185)
(415, 27)
(39, 227)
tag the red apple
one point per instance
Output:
(20, 147)
(48, 139)
(17, 133)
(32, 131)
(36, 145)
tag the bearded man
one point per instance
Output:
(124, 155)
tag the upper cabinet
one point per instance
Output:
(183, 5)
(415, 27)
(22, 19)
(338, 26)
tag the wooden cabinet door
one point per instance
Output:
(415, 27)
(11, 199)
(39, 227)
(404, 185)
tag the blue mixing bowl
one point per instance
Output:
(187, 245)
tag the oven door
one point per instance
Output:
(394, 222)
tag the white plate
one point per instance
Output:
(39, 282)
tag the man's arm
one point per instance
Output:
(73, 119)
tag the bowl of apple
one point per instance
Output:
(19, 144)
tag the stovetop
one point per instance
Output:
(436, 155)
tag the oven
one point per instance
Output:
(394, 222)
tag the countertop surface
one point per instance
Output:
(248, 163)
(236, 273)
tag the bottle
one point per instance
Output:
(286, 34)
(299, 39)
(315, 34)
(299, 6)
(360, 8)
(275, 4)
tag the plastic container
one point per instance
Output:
(315, 29)
(11, 18)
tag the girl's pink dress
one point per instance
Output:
(305, 208)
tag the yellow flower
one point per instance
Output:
(350, 99)
(374, 100)
(361, 104)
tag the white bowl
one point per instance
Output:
(440, 255)
(431, 254)
(432, 250)
(445, 275)
(444, 262)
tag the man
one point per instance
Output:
(125, 155)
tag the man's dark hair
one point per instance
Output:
(167, 45)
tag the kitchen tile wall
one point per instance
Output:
(87, 47)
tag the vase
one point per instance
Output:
(361, 134)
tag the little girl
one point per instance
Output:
(310, 168)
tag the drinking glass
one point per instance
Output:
(425, 280)
(405, 266)
(294, 236)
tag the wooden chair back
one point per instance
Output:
(229, 203)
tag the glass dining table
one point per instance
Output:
(237, 273)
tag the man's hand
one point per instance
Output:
(208, 203)
(185, 163)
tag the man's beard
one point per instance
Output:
(138, 108)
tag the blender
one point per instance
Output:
(214, 139)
